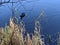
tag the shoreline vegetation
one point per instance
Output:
(14, 34)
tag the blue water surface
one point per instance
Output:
(50, 23)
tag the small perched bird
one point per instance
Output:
(22, 15)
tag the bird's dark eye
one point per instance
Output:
(23, 14)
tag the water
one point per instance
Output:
(50, 24)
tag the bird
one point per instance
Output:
(22, 15)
